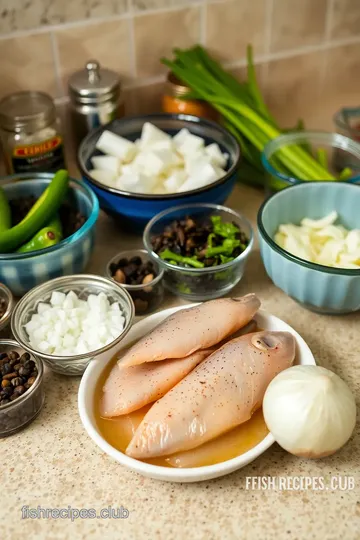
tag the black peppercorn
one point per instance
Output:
(24, 357)
(20, 390)
(23, 372)
(13, 355)
(6, 369)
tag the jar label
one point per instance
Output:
(46, 156)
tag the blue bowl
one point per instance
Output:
(23, 271)
(320, 288)
(136, 210)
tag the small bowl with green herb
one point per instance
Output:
(316, 156)
(202, 248)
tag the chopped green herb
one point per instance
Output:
(223, 228)
(191, 261)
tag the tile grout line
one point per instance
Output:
(327, 41)
(56, 60)
(268, 37)
(132, 44)
(203, 20)
(97, 20)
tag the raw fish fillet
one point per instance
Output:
(219, 394)
(129, 389)
(189, 330)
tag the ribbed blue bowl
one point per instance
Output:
(320, 288)
(23, 271)
(134, 209)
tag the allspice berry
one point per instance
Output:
(120, 276)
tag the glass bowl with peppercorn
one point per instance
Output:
(202, 248)
(6, 307)
(140, 276)
(21, 387)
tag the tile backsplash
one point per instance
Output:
(307, 52)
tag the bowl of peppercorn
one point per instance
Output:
(21, 391)
(6, 307)
(140, 276)
(202, 248)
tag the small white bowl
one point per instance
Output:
(196, 474)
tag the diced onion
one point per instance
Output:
(321, 241)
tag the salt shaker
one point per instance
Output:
(96, 98)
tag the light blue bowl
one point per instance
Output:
(320, 288)
(23, 271)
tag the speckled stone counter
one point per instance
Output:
(54, 464)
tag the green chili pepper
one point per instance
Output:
(222, 228)
(191, 261)
(44, 208)
(46, 237)
(5, 212)
(56, 224)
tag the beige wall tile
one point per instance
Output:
(297, 23)
(145, 99)
(143, 5)
(157, 34)
(293, 86)
(27, 64)
(345, 19)
(342, 73)
(230, 26)
(240, 73)
(107, 42)
(25, 14)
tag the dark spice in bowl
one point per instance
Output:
(21, 387)
(200, 244)
(141, 278)
(18, 374)
(3, 307)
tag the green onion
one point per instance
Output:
(244, 112)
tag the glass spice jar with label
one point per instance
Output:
(30, 133)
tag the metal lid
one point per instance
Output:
(28, 111)
(175, 87)
(94, 84)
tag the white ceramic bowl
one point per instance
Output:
(195, 474)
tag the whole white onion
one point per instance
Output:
(310, 411)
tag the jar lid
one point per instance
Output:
(176, 87)
(94, 84)
(28, 111)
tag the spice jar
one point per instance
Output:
(172, 102)
(30, 133)
(96, 98)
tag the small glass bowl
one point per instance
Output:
(17, 414)
(199, 284)
(83, 285)
(146, 297)
(6, 294)
(340, 152)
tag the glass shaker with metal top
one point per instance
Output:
(96, 98)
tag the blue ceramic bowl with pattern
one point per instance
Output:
(323, 289)
(136, 209)
(23, 271)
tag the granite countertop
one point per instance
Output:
(54, 463)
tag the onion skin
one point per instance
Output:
(310, 411)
